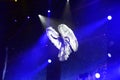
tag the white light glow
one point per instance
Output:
(49, 60)
(49, 11)
(28, 17)
(109, 55)
(42, 19)
(109, 17)
(97, 75)
(15, 0)
(65, 42)
(40, 16)
(15, 20)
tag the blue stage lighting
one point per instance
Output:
(49, 60)
(109, 17)
(97, 75)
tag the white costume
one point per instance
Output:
(68, 40)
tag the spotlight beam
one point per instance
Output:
(46, 21)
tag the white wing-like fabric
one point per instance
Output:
(53, 36)
(68, 35)
(69, 40)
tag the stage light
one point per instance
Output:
(109, 17)
(28, 17)
(67, 0)
(15, 0)
(15, 20)
(67, 3)
(109, 55)
(49, 11)
(97, 75)
(46, 21)
(49, 60)
(39, 16)
(42, 19)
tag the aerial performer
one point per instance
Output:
(64, 40)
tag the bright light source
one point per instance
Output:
(109, 17)
(39, 16)
(28, 17)
(42, 18)
(49, 11)
(109, 55)
(15, 0)
(97, 75)
(49, 60)
(67, 0)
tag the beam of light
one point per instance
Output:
(68, 0)
(67, 17)
(38, 69)
(42, 19)
(113, 71)
(88, 4)
(119, 70)
(30, 62)
(5, 65)
(86, 31)
(47, 21)
(65, 42)
(109, 17)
